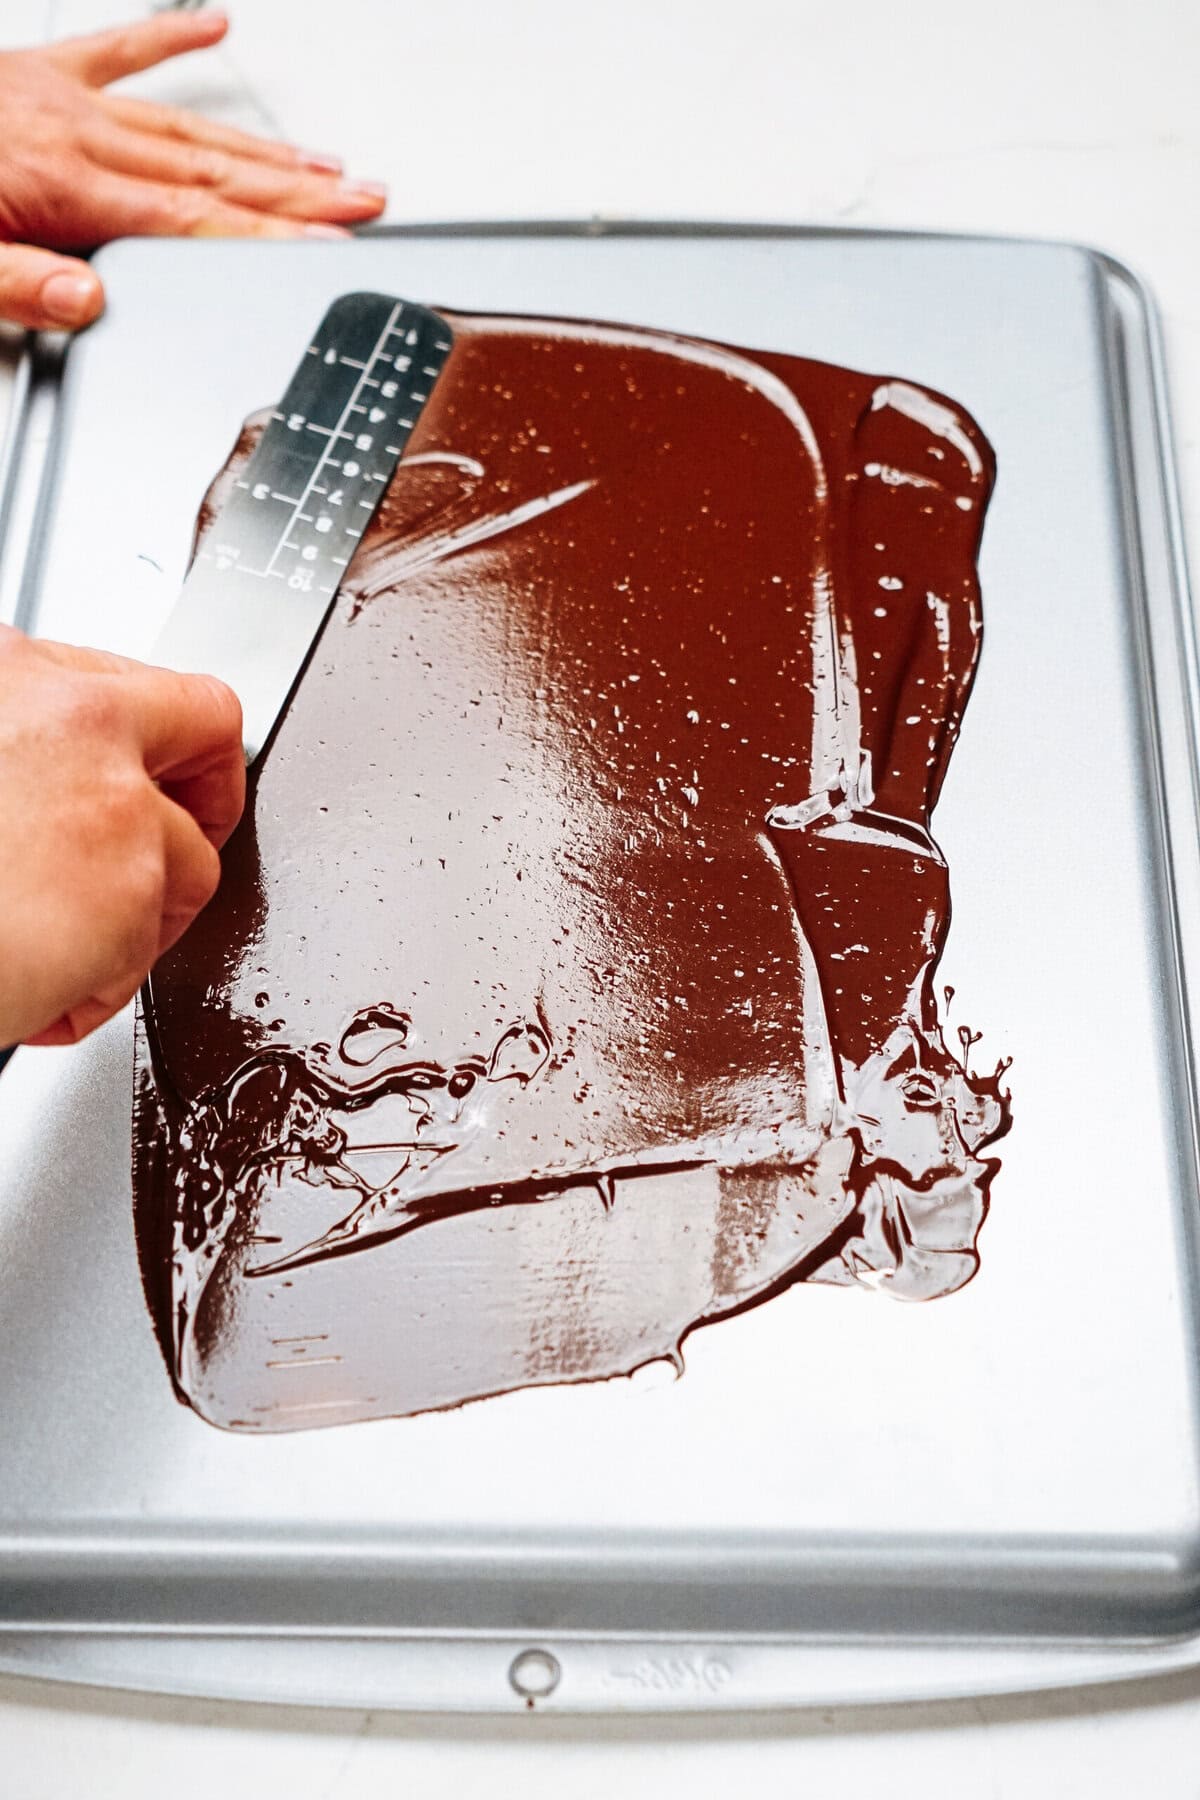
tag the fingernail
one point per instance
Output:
(69, 299)
(316, 159)
(325, 231)
(363, 190)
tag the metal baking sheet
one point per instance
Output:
(843, 1497)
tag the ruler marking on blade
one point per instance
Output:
(341, 432)
(260, 639)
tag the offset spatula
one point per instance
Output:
(263, 582)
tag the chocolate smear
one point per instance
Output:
(571, 980)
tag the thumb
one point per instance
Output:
(47, 292)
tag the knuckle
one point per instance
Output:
(223, 703)
(144, 115)
(193, 208)
(132, 916)
(207, 168)
(213, 708)
(297, 192)
(183, 210)
(122, 820)
(123, 44)
(90, 708)
(207, 875)
(145, 891)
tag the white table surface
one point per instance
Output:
(1057, 118)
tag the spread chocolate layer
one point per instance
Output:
(571, 979)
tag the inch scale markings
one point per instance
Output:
(395, 313)
(309, 557)
(328, 452)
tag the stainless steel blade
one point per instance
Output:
(263, 582)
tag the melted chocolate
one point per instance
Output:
(570, 983)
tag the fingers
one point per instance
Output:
(212, 789)
(129, 207)
(193, 870)
(189, 728)
(179, 717)
(175, 123)
(46, 292)
(163, 172)
(109, 55)
(216, 176)
(183, 718)
(88, 1016)
(191, 734)
(118, 782)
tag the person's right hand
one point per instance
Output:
(118, 785)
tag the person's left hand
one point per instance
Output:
(79, 166)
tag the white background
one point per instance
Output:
(1059, 119)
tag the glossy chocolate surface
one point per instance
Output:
(570, 983)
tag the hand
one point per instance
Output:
(79, 166)
(118, 785)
